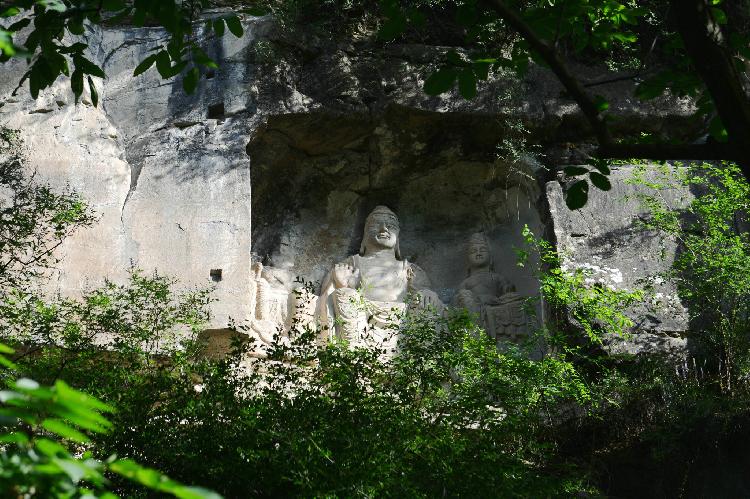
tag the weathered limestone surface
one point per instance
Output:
(278, 157)
(606, 239)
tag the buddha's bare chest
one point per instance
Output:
(384, 281)
(481, 284)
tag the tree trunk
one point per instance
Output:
(714, 63)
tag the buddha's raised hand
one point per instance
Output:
(345, 275)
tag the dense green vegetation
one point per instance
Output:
(450, 415)
(121, 388)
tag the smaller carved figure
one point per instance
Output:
(269, 306)
(489, 295)
(278, 303)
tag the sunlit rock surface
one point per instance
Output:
(607, 239)
(279, 155)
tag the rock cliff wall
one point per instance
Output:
(280, 154)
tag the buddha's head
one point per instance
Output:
(381, 232)
(478, 252)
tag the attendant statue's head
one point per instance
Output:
(381, 232)
(478, 255)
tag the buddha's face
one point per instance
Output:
(479, 255)
(382, 231)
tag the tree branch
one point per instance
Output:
(716, 67)
(713, 62)
(711, 151)
(611, 80)
(556, 64)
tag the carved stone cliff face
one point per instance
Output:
(439, 172)
(277, 158)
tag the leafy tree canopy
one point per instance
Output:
(698, 49)
(51, 25)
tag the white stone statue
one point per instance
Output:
(278, 304)
(489, 295)
(269, 305)
(364, 296)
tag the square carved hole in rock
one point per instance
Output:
(215, 275)
(216, 111)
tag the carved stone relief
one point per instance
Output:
(491, 296)
(363, 298)
(316, 179)
(277, 302)
(365, 295)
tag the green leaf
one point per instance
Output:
(175, 48)
(60, 428)
(75, 26)
(719, 15)
(145, 64)
(7, 363)
(572, 171)
(6, 395)
(602, 165)
(601, 103)
(163, 64)
(600, 181)
(625, 38)
(94, 93)
(455, 59)
(74, 469)
(72, 49)
(50, 447)
(176, 69)
(80, 398)
(200, 57)
(14, 438)
(113, 5)
(157, 481)
(26, 384)
(219, 26)
(577, 194)
(87, 66)
(440, 81)
(54, 5)
(235, 26)
(139, 18)
(19, 24)
(481, 69)
(467, 15)
(10, 12)
(392, 28)
(717, 130)
(183, 492)
(467, 84)
(191, 80)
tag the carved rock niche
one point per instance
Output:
(315, 177)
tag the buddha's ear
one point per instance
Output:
(398, 249)
(362, 247)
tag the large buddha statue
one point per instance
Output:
(364, 296)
